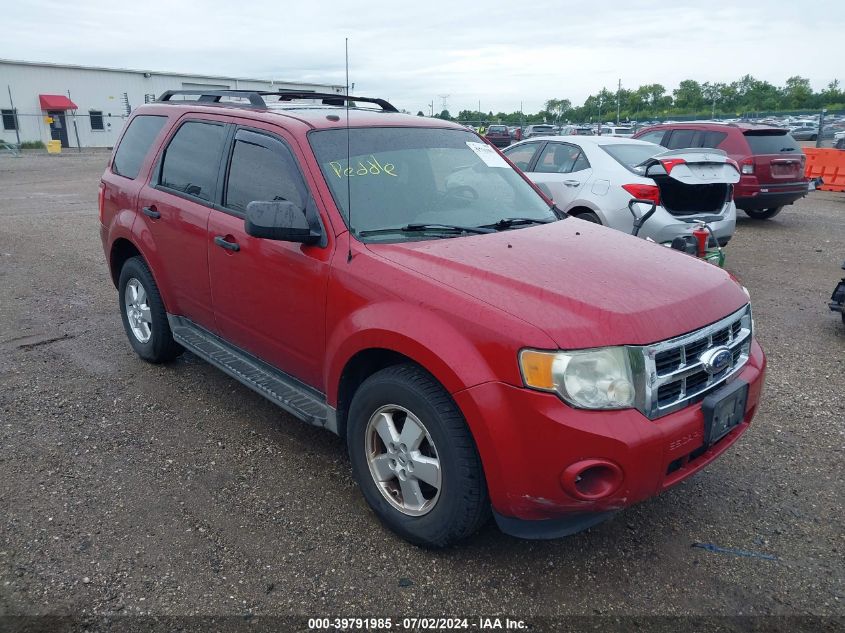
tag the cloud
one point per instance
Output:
(501, 55)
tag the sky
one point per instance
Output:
(501, 55)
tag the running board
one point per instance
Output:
(285, 391)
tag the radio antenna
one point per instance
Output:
(348, 164)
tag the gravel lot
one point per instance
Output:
(128, 488)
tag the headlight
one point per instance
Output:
(591, 379)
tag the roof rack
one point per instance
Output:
(256, 98)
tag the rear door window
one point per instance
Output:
(775, 142)
(558, 158)
(680, 139)
(262, 168)
(135, 144)
(192, 159)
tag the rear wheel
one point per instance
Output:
(763, 214)
(415, 459)
(143, 314)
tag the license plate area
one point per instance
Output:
(723, 410)
(784, 169)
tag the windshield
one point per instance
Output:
(630, 156)
(401, 176)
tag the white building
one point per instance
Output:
(85, 106)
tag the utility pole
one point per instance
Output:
(444, 102)
(618, 93)
(599, 130)
(713, 113)
(431, 107)
(821, 127)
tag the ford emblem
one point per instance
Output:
(716, 360)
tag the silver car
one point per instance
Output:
(595, 177)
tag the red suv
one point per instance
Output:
(771, 162)
(397, 281)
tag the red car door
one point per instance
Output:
(174, 210)
(269, 296)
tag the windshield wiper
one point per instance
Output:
(506, 223)
(422, 228)
(560, 213)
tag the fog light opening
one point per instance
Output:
(592, 479)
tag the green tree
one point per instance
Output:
(689, 96)
(797, 92)
(558, 107)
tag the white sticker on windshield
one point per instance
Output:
(486, 153)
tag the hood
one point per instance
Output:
(584, 285)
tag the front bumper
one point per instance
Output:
(527, 439)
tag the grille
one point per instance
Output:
(675, 375)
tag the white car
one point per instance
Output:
(595, 177)
(625, 132)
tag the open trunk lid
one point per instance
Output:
(691, 180)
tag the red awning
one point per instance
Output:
(56, 102)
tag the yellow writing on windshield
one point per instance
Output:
(367, 167)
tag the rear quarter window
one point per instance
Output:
(771, 143)
(713, 139)
(135, 144)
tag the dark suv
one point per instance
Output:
(771, 162)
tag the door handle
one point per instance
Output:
(571, 183)
(151, 212)
(229, 246)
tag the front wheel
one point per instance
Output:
(589, 216)
(763, 214)
(414, 458)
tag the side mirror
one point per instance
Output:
(278, 220)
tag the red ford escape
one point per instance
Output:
(401, 284)
(771, 162)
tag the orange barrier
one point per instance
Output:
(827, 163)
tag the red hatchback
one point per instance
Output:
(395, 280)
(771, 162)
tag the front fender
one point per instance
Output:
(422, 335)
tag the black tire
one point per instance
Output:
(589, 216)
(763, 214)
(462, 506)
(160, 347)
